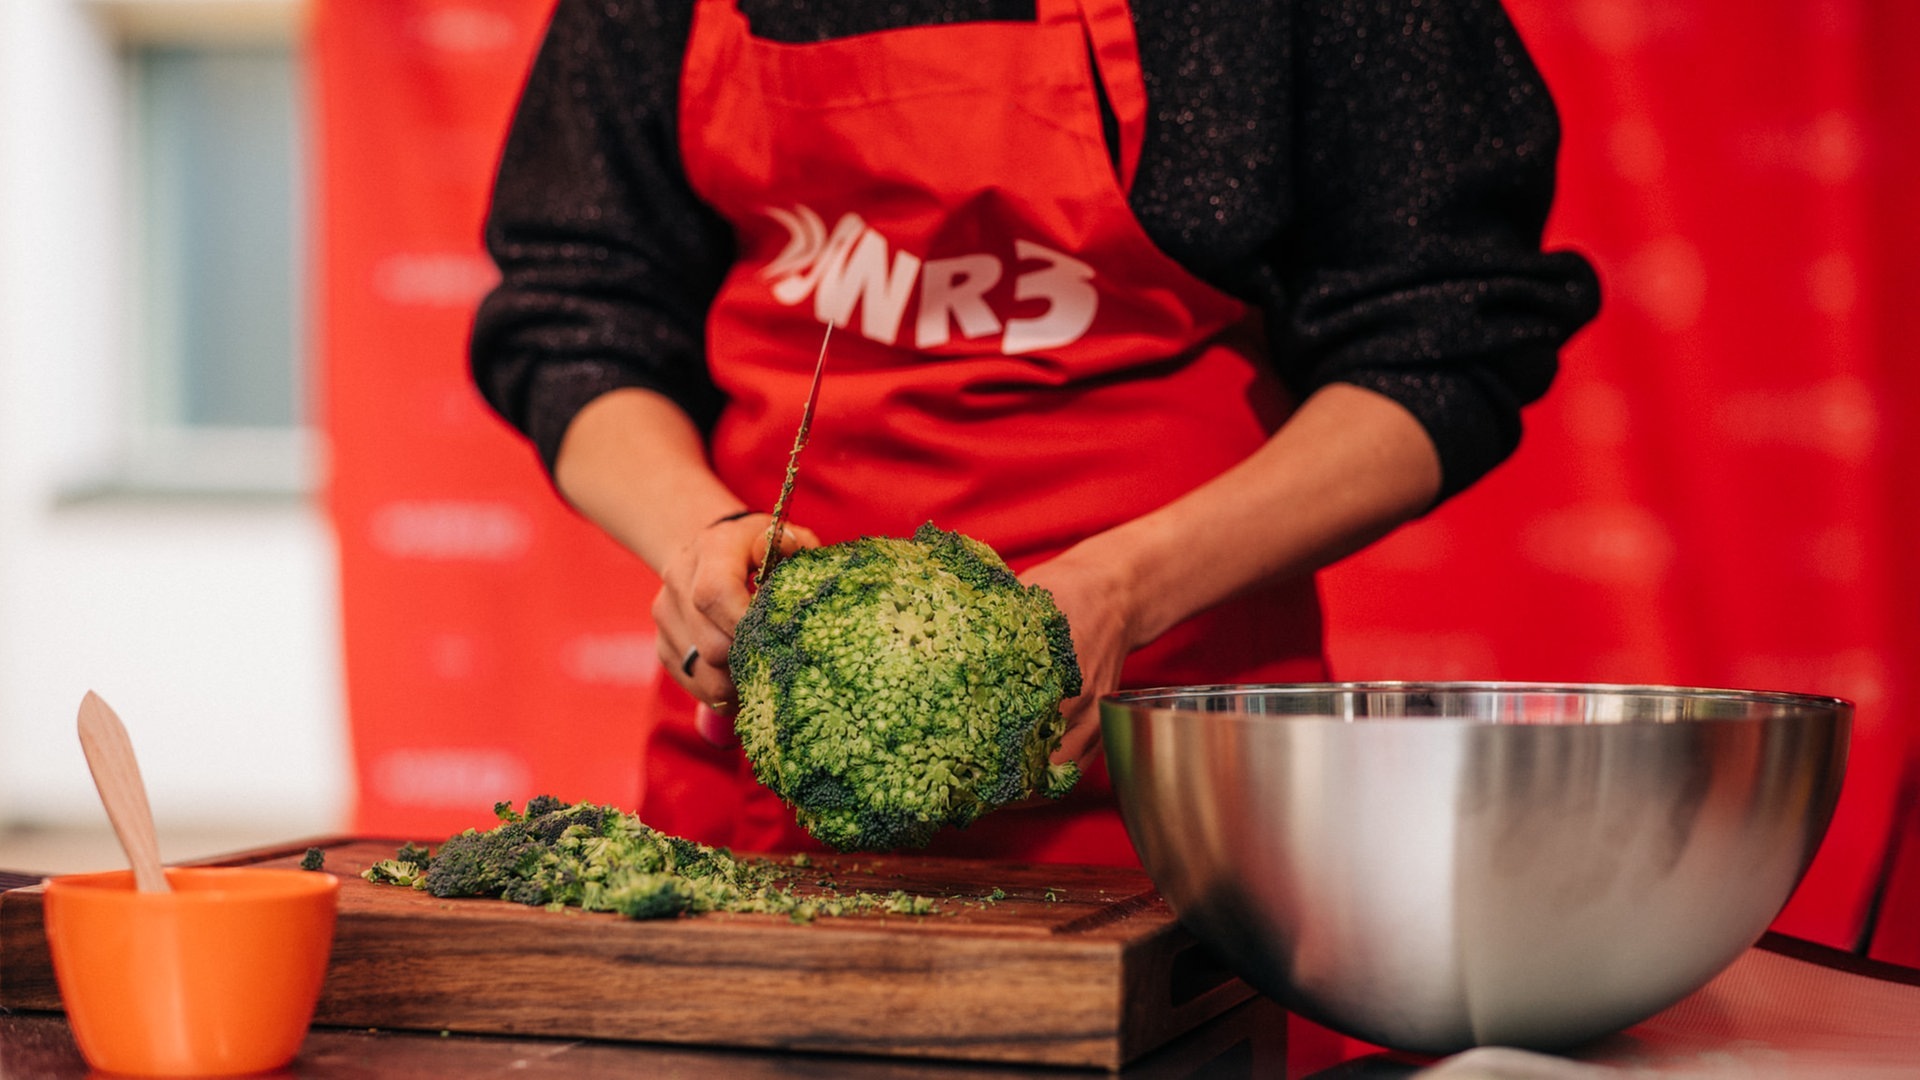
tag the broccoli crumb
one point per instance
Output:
(900, 902)
(314, 859)
(597, 858)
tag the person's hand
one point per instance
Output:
(703, 594)
(1093, 599)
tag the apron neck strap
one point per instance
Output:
(1116, 56)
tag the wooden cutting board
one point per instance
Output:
(1080, 966)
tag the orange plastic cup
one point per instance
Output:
(218, 977)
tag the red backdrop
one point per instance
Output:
(1712, 494)
(495, 644)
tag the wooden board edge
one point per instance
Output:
(1174, 984)
(871, 993)
(288, 850)
(26, 963)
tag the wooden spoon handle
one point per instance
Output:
(117, 774)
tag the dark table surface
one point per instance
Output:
(1250, 1041)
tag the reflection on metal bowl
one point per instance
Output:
(1433, 866)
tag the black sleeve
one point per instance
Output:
(1423, 163)
(608, 260)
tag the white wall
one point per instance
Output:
(208, 623)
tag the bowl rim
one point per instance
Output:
(212, 885)
(1149, 696)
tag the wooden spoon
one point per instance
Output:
(117, 774)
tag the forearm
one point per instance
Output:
(635, 465)
(1345, 469)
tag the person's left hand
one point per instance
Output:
(1092, 597)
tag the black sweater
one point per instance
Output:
(1373, 175)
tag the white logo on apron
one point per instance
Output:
(854, 266)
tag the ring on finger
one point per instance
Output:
(687, 661)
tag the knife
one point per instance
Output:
(778, 529)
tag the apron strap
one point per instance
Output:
(1116, 55)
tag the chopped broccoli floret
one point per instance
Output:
(314, 859)
(408, 867)
(476, 863)
(889, 688)
(396, 872)
(414, 855)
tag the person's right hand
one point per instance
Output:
(704, 591)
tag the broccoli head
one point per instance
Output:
(891, 687)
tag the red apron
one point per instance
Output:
(1012, 357)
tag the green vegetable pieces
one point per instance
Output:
(890, 688)
(599, 859)
(409, 867)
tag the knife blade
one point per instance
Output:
(777, 531)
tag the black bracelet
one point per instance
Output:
(735, 516)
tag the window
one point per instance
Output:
(216, 395)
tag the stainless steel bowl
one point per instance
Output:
(1433, 866)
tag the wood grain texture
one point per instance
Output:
(1077, 966)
